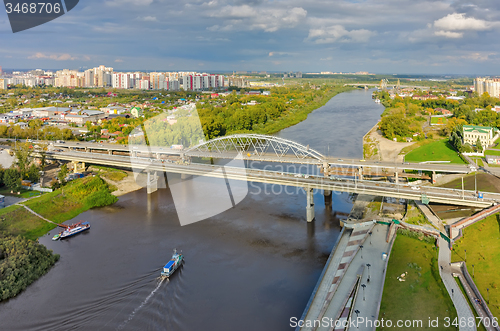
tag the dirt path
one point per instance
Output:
(388, 150)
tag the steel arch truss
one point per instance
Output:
(258, 144)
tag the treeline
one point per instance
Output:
(285, 106)
(22, 261)
(34, 131)
(403, 117)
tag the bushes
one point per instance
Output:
(417, 235)
(100, 198)
(23, 262)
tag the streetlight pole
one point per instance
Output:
(368, 265)
(488, 290)
(472, 271)
(465, 255)
(361, 246)
(370, 233)
(363, 286)
(357, 316)
(463, 197)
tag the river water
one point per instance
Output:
(252, 267)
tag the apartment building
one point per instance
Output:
(490, 85)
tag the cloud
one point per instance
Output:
(147, 19)
(117, 3)
(118, 60)
(449, 34)
(61, 57)
(337, 33)
(268, 19)
(458, 22)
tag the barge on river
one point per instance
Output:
(172, 265)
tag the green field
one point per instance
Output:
(480, 181)
(439, 120)
(491, 152)
(482, 243)
(422, 294)
(17, 221)
(439, 150)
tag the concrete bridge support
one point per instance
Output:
(433, 177)
(328, 198)
(78, 166)
(310, 204)
(152, 183)
(360, 173)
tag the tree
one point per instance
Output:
(479, 147)
(12, 178)
(23, 157)
(33, 173)
(63, 172)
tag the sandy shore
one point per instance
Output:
(387, 150)
(124, 186)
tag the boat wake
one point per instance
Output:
(131, 316)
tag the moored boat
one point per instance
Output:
(75, 229)
(57, 236)
(173, 264)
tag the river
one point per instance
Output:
(251, 267)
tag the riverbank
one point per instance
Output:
(121, 182)
(298, 114)
(22, 259)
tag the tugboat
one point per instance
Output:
(75, 229)
(172, 265)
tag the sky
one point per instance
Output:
(379, 36)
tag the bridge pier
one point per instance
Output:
(75, 167)
(433, 177)
(328, 198)
(310, 205)
(360, 173)
(396, 177)
(152, 182)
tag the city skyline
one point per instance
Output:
(407, 37)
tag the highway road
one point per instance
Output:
(405, 191)
(268, 157)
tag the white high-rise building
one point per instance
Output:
(490, 85)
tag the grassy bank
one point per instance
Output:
(298, 114)
(422, 294)
(482, 243)
(76, 197)
(439, 150)
(22, 259)
(115, 175)
(415, 216)
(17, 221)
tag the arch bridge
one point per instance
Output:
(265, 147)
